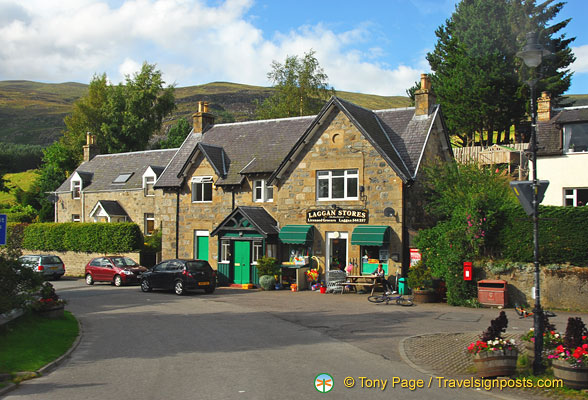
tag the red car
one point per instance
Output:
(115, 269)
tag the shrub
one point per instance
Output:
(419, 276)
(267, 266)
(18, 284)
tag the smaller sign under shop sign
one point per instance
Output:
(467, 271)
(339, 216)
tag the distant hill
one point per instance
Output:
(33, 112)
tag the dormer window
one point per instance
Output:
(76, 189)
(262, 192)
(575, 138)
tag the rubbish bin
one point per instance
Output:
(402, 286)
(492, 292)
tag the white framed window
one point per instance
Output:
(257, 251)
(76, 189)
(148, 182)
(338, 184)
(262, 192)
(225, 251)
(149, 223)
(75, 218)
(575, 138)
(201, 189)
(576, 197)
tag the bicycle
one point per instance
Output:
(522, 313)
(400, 299)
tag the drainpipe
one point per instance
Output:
(233, 200)
(83, 206)
(177, 222)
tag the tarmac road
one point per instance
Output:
(241, 345)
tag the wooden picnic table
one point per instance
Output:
(353, 281)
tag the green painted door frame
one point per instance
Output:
(201, 245)
(242, 262)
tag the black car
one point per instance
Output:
(180, 276)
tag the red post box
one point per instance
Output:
(467, 271)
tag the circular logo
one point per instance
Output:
(323, 383)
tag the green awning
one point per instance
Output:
(371, 235)
(299, 234)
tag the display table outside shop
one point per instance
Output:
(353, 281)
(300, 271)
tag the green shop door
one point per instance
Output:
(242, 262)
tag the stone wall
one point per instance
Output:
(562, 287)
(75, 262)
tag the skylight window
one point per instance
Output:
(122, 178)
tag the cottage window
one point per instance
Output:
(201, 189)
(257, 251)
(341, 184)
(225, 251)
(575, 197)
(75, 218)
(149, 224)
(148, 182)
(575, 138)
(262, 192)
(76, 189)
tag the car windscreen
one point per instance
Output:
(123, 262)
(50, 260)
(197, 265)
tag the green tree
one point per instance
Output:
(176, 135)
(301, 88)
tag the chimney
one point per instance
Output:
(424, 99)
(90, 148)
(202, 120)
(544, 107)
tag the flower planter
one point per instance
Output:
(496, 363)
(54, 312)
(574, 377)
(424, 296)
(530, 351)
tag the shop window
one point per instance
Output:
(148, 182)
(257, 251)
(262, 192)
(201, 189)
(149, 224)
(575, 138)
(75, 218)
(342, 184)
(225, 251)
(295, 254)
(575, 197)
(76, 189)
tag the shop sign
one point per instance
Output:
(337, 216)
(415, 257)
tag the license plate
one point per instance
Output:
(53, 268)
(203, 283)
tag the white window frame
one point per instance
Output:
(75, 218)
(572, 196)
(76, 189)
(199, 182)
(262, 192)
(256, 251)
(569, 148)
(148, 182)
(327, 175)
(225, 253)
(146, 218)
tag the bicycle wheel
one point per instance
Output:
(404, 301)
(376, 299)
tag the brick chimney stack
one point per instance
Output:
(202, 119)
(424, 99)
(90, 148)
(544, 107)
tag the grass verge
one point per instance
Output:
(31, 341)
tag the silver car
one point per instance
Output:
(49, 265)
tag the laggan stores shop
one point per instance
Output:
(340, 190)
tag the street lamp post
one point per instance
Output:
(532, 55)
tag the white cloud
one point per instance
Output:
(191, 42)
(580, 66)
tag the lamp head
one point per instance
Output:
(532, 53)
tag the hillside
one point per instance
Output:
(32, 112)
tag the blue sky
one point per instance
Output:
(376, 47)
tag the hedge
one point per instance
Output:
(83, 237)
(563, 235)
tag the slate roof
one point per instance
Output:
(112, 208)
(549, 134)
(261, 220)
(98, 173)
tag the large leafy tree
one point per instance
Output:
(301, 88)
(477, 77)
(176, 135)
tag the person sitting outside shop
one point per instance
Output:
(381, 278)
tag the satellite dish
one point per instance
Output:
(389, 212)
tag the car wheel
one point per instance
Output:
(118, 281)
(179, 288)
(145, 285)
(89, 279)
(209, 290)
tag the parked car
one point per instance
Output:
(180, 276)
(50, 266)
(115, 269)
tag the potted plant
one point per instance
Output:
(267, 268)
(551, 339)
(419, 279)
(570, 359)
(48, 304)
(494, 355)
